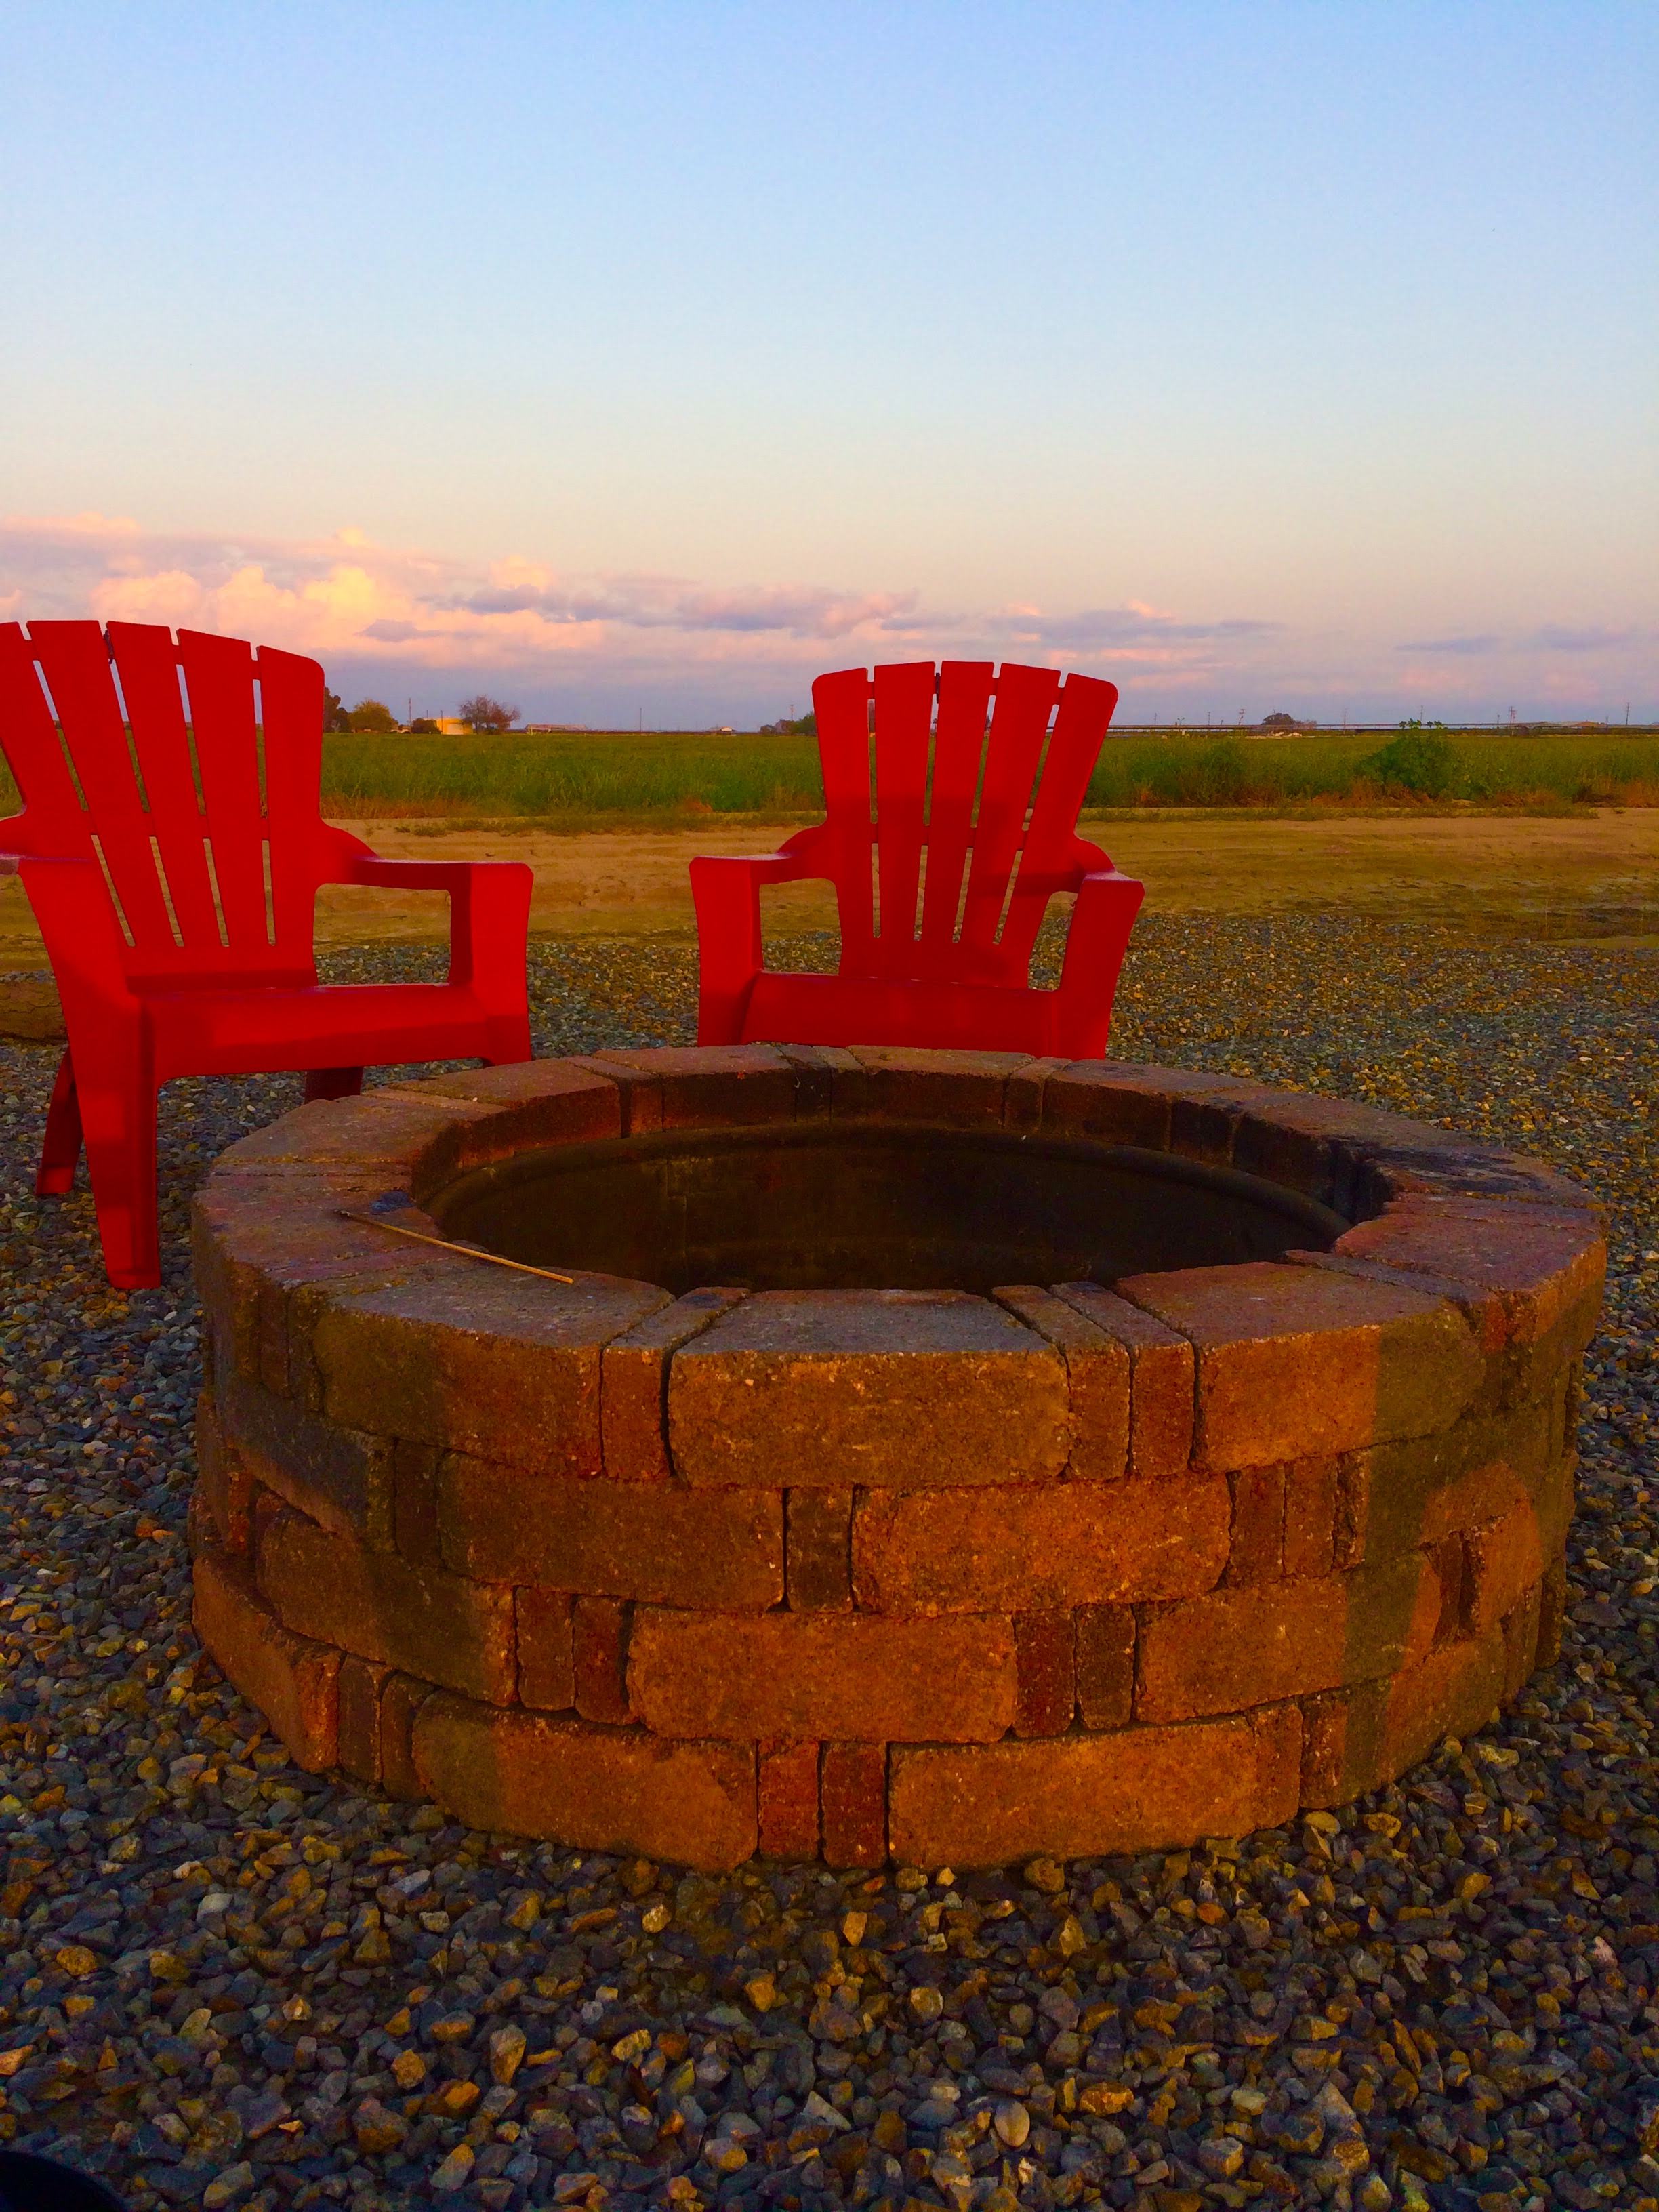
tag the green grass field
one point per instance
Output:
(615, 772)
(622, 776)
(665, 772)
(1330, 766)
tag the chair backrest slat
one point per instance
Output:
(1053, 853)
(904, 739)
(219, 685)
(1013, 752)
(76, 663)
(210, 873)
(966, 691)
(147, 662)
(291, 708)
(842, 705)
(973, 809)
(33, 754)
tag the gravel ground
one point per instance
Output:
(224, 1982)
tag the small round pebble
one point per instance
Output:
(223, 1981)
(1012, 2121)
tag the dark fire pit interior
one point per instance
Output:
(829, 1206)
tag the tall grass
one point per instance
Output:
(620, 776)
(659, 773)
(582, 773)
(1230, 771)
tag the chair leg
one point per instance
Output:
(507, 1041)
(334, 1082)
(120, 1123)
(60, 1147)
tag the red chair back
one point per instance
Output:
(952, 822)
(190, 773)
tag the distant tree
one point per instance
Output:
(373, 718)
(806, 725)
(335, 717)
(1278, 721)
(423, 727)
(484, 713)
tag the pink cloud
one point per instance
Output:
(398, 619)
(346, 597)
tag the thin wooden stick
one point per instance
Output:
(467, 1251)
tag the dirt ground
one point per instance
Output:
(1590, 875)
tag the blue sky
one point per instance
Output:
(655, 358)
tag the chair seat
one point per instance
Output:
(244, 1032)
(858, 1010)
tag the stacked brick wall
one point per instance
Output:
(863, 1574)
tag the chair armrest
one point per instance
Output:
(489, 913)
(15, 863)
(451, 876)
(48, 868)
(1107, 903)
(726, 888)
(741, 875)
(783, 867)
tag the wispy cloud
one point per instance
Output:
(348, 597)
(675, 603)
(1105, 629)
(1591, 637)
(1547, 637)
(399, 622)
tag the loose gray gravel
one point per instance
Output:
(225, 1983)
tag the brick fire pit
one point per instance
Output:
(1094, 1458)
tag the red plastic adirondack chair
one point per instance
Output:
(171, 847)
(945, 841)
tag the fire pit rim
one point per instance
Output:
(540, 1708)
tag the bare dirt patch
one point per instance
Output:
(1583, 875)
